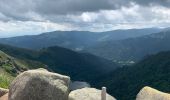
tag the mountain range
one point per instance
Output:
(97, 61)
(75, 40)
(132, 49)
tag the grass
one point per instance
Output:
(5, 79)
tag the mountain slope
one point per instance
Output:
(10, 67)
(75, 40)
(125, 83)
(80, 66)
(132, 49)
(77, 65)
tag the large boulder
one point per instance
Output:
(3, 91)
(39, 85)
(88, 94)
(148, 93)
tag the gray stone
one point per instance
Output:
(88, 94)
(39, 85)
(148, 93)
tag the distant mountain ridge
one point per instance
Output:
(75, 40)
(132, 49)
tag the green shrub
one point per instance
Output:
(7, 67)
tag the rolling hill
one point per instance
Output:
(132, 49)
(75, 40)
(124, 83)
(79, 66)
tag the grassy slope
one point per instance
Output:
(10, 67)
(5, 78)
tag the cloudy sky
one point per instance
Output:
(20, 17)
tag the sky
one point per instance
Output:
(25, 17)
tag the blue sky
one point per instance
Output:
(22, 17)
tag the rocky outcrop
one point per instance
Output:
(88, 94)
(39, 85)
(148, 93)
(3, 91)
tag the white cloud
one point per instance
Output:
(17, 28)
(124, 18)
(88, 17)
(135, 16)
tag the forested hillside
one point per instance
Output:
(125, 83)
(79, 66)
